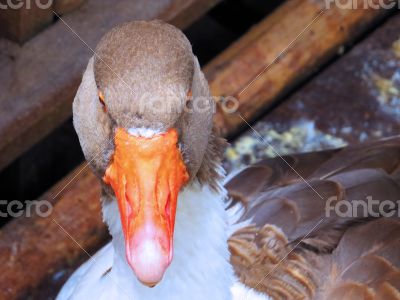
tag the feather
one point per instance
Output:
(297, 244)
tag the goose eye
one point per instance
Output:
(101, 99)
(189, 95)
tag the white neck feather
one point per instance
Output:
(200, 268)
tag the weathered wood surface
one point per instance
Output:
(190, 11)
(257, 51)
(39, 80)
(34, 248)
(21, 20)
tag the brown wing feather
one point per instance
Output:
(295, 250)
(269, 173)
(366, 261)
(262, 259)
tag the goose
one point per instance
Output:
(278, 229)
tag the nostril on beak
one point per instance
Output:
(168, 207)
(151, 285)
(128, 202)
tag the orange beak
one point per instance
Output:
(146, 175)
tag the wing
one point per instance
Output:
(366, 263)
(308, 212)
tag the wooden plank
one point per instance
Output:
(32, 242)
(190, 11)
(40, 79)
(311, 44)
(21, 20)
(354, 100)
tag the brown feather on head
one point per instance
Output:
(143, 68)
(146, 76)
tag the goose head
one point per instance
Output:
(143, 114)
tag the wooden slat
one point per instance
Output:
(21, 20)
(309, 49)
(39, 80)
(34, 248)
(356, 99)
(190, 11)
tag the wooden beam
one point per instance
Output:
(190, 11)
(21, 20)
(34, 248)
(39, 80)
(280, 52)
